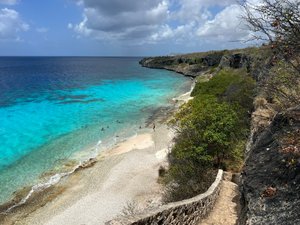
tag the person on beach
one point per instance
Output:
(153, 126)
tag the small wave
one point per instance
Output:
(98, 145)
(42, 186)
(83, 163)
(186, 93)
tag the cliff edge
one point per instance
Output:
(270, 180)
(253, 60)
(271, 177)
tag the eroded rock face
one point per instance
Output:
(196, 66)
(185, 66)
(235, 61)
(271, 178)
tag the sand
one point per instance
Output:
(141, 141)
(124, 175)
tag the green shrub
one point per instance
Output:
(211, 132)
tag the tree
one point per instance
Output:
(277, 21)
(206, 133)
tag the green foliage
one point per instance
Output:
(224, 81)
(211, 130)
(213, 69)
(234, 162)
(187, 187)
(235, 87)
(207, 129)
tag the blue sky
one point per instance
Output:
(118, 27)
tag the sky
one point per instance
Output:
(119, 27)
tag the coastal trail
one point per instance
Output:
(225, 211)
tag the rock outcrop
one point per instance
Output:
(196, 64)
(235, 61)
(271, 178)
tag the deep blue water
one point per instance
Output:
(55, 110)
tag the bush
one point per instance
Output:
(211, 133)
(188, 188)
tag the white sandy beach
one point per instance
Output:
(127, 174)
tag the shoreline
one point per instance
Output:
(109, 159)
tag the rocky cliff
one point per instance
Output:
(270, 181)
(188, 66)
(195, 64)
(271, 177)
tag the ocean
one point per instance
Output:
(57, 112)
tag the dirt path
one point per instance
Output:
(226, 208)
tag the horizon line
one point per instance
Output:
(91, 56)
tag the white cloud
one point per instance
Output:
(227, 25)
(11, 24)
(146, 20)
(153, 21)
(118, 19)
(195, 11)
(196, 16)
(8, 2)
(180, 34)
(42, 30)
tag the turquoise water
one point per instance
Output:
(54, 110)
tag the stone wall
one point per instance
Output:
(187, 212)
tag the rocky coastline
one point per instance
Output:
(196, 64)
(270, 178)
